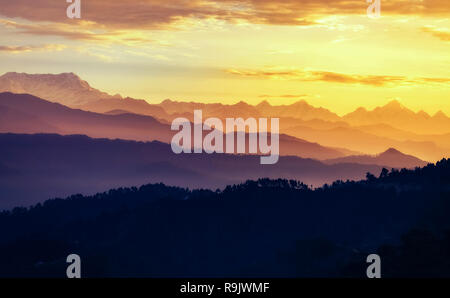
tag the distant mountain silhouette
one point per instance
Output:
(44, 116)
(368, 143)
(70, 90)
(306, 122)
(117, 112)
(28, 114)
(216, 110)
(21, 113)
(391, 158)
(53, 165)
(360, 131)
(299, 110)
(65, 88)
(401, 117)
(13, 120)
(368, 132)
(388, 131)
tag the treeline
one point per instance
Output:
(263, 228)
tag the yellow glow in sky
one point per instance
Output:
(237, 51)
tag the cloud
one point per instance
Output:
(31, 48)
(441, 33)
(105, 57)
(159, 14)
(61, 30)
(284, 96)
(334, 77)
(84, 31)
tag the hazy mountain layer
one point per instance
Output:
(369, 132)
(69, 89)
(391, 158)
(20, 113)
(37, 167)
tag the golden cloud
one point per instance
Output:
(31, 48)
(284, 96)
(156, 14)
(441, 33)
(84, 31)
(334, 77)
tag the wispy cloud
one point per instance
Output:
(284, 96)
(84, 31)
(441, 33)
(105, 57)
(334, 77)
(31, 48)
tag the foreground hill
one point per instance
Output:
(54, 165)
(264, 228)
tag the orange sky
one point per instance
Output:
(327, 52)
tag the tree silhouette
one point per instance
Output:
(262, 228)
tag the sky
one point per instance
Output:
(327, 52)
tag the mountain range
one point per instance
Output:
(301, 120)
(123, 141)
(70, 90)
(35, 167)
(368, 143)
(391, 157)
(397, 115)
(23, 113)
